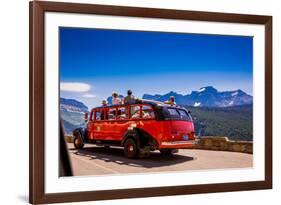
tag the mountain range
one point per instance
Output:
(206, 97)
(72, 105)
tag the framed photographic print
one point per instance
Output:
(138, 102)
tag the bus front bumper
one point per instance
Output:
(177, 144)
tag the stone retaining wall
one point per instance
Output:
(224, 144)
(212, 143)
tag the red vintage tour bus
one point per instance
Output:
(139, 128)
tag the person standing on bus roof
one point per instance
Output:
(130, 99)
(115, 99)
(171, 101)
(104, 103)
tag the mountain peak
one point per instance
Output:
(240, 91)
(208, 89)
(172, 93)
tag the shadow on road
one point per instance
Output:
(116, 155)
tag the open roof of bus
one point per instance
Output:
(141, 101)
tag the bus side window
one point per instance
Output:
(98, 115)
(112, 114)
(135, 111)
(122, 113)
(147, 112)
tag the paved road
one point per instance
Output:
(93, 160)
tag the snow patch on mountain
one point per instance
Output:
(235, 93)
(201, 90)
(197, 104)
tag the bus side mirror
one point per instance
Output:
(86, 117)
(189, 112)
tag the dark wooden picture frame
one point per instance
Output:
(37, 95)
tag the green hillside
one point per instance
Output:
(236, 122)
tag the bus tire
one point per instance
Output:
(130, 148)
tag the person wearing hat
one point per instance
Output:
(171, 101)
(104, 103)
(129, 99)
(115, 99)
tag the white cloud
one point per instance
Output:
(88, 95)
(74, 87)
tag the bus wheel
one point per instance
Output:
(78, 143)
(130, 148)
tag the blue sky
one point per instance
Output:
(96, 62)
